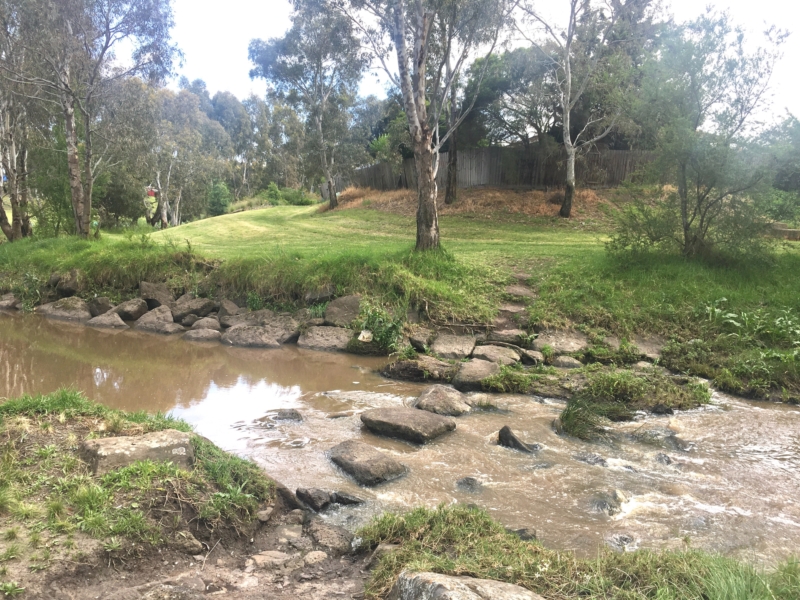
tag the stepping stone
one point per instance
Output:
(66, 309)
(409, 424)
(158, 320)
(422, 368)
(415, 586)
(562, 342)
(508, 336)
(472, 373)
(107, 454)
(509, 439)
(109, 320)
(443, 400)
(496, 354)
(131, 310)
(365, 464)
(330, 339)
(250, 336)
(453, 346)
(520, 291)
(343, 311)
(567, 362)
(202, 335)
(100, 306)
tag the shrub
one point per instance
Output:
(219, 198)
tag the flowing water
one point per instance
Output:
(733, 485)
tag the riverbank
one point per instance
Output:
(154, 529)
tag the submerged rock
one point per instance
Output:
(509, 439)
(131, 310)
(453, 346)
(342, 311)
(591, 459)
(286, 414)
(66, 309)
(659, 436)
(472, 373)
(106, 454)
(331, 339)
(422, 368)
(496, 354)
(419, 586)
(663, 459)
(443, 400)
(110, 320)
(409, 424)
(469, 484)
(365, 464)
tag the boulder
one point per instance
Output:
(9, 301)
(561, 341)
(422, 368)
(472, 373)
(106, 454)
(227, 308)
(409, 424)
(131, 310)
(283, 328)
(202, 335)
(330, 538)
(567, 362)
(316, 499)
(365, 464)
(509, 439)
(496, 354)
(66, 309)
(256, 317)
(156, 294)
(158, 320)
(250, 336)
(70, 284)
(185, 298)
(346, 499)
(206, 323)
(453, 346)
(331, 339)
(443, 400)
(196, 306)
(424, 586)
(100, 306)
(189, 320)
(342, 311)
(532, 357)
(509, 336)
(109, 320)
(420, 339)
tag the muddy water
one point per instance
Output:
(733, 488)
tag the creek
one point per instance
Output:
(732, 486)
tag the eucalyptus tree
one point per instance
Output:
(431, 42)
(589, 54)
(316, 66)
(72, 48)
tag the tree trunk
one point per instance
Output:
(451, 192)
(164, 211)
(176, 212)
(73, 164)
(22, 181)
(88, 175)
(569, 192)
(689, 239)
(427, 215)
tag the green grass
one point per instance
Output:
(460, 540)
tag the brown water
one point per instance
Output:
(735, 490)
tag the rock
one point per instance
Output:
(186, 297)
(185, 542)
(496, 354)
(106, 454)
(620, 542)
(202, 335)
(99, 306)
(265, 515)
(256, 317)
(285, 414)
(227, 308)
(520, 291)
(66, 309)
(70, 284)
(53, 280)
(334, 540)
(591, 459)
(131, 310)
(197, 306)
(206, 323)
(509, 439)
(380, 551)
(331, 339)
(469, 484)
(472, 373)
(661, 409)
(342, 311)
(567, 362)
(532, 357)
(365, 464)
(249, 336)
(189, 320)
(422, 368)
(158, 320)
(649, 346)
(271, 559)
(156, 294)
(430, 586)
(420, 339)
(409, 424)
(561, 342)
(322, 294)
(453, 346)
(9, 301)
(109, 320)
(659, 436)
(345, 499)
(443, 400)
(509, 336)
(317, 500)
(663, 459)
(280, 328)
(315, 557)
(605, 503)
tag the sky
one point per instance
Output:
(214, 37)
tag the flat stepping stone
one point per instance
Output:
(509, 439)
(507, 336)
(202, 335)
(131, 310)
(472, 373)
(443, 400)
(108, 320)
(453, 346)
(414, 586)
(66, 309)
(330, 339)
(250, 336)
(496, 354)
(409, 424)
(561, 342)
(422, 368)
(365, 464)
(343, 311)
(106, 454)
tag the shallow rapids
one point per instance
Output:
(732, 484)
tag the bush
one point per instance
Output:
(219, 198)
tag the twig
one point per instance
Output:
(207, 555)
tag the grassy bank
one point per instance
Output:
(736, 324)
(458, 540)
(52, 509)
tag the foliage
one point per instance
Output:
(386, 329)
(219, 198)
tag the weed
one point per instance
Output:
(317, 311)
(10, 553)
(34, 539)
(11, 534)
(386, 329)
(25, 511)
(10, 589)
